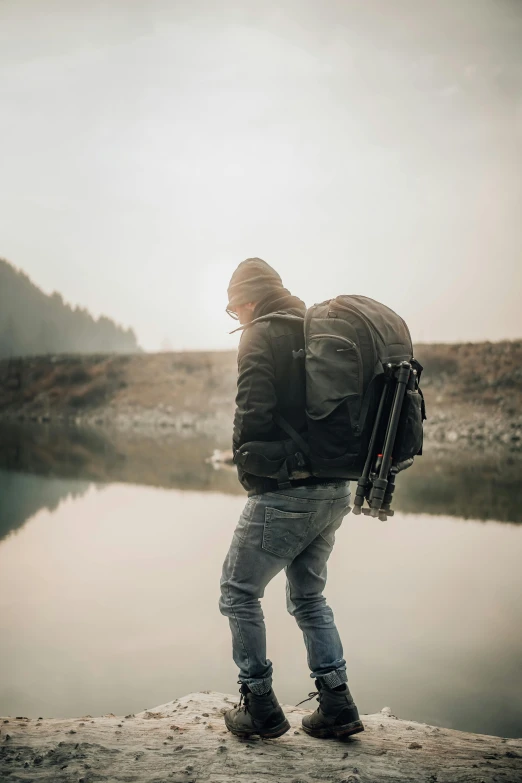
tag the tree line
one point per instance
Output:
(32, 322)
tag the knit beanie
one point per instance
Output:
(252, 280)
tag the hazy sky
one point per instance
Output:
(359, 146)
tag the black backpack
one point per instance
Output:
(363, 403)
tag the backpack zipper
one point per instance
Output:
(369, 326)
(368, 323)
(354, 347)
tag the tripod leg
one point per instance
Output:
(364, 481)
(388, 495)
(380, 484)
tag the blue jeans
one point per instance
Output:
(292, 529)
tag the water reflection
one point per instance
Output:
(470, 485)
(23, 495)
(109, 604)
(108, 595)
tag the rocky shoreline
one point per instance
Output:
(472, 427)
(475, 427)
(185, 741)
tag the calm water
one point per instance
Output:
(108, 595)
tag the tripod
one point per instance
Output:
(376, 484)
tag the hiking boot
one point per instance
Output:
(256, 715)
(336, 715)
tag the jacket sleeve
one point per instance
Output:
(256, 397)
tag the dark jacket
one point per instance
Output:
(271, 378)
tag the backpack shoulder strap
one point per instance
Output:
(286, 427)
(269, 317)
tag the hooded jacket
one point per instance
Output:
(271, 378)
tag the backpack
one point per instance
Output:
(364, 406)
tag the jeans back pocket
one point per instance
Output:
(285, 531)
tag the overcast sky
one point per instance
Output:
(358, 146)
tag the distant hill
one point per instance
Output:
(33, 323)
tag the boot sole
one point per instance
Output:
(335, 731)
(277, 731)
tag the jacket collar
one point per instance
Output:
(279, 301)
(269, 317)
(278, 304)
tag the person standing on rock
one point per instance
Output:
(291, 528)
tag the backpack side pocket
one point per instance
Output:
(410, 435)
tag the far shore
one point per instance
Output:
(473, 393)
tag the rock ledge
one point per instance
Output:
(185, 741)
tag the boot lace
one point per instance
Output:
(243, 701)
(310, 696)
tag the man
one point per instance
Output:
(291, 528)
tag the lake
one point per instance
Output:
(109, 582)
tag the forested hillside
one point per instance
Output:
(32, 322)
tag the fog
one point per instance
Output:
(369, 148)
